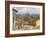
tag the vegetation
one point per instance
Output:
(26, 23)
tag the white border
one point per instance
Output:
(26, 31)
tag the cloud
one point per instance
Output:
(24, 10)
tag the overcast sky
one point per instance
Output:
(23, 10)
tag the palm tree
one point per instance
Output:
(14, 13)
